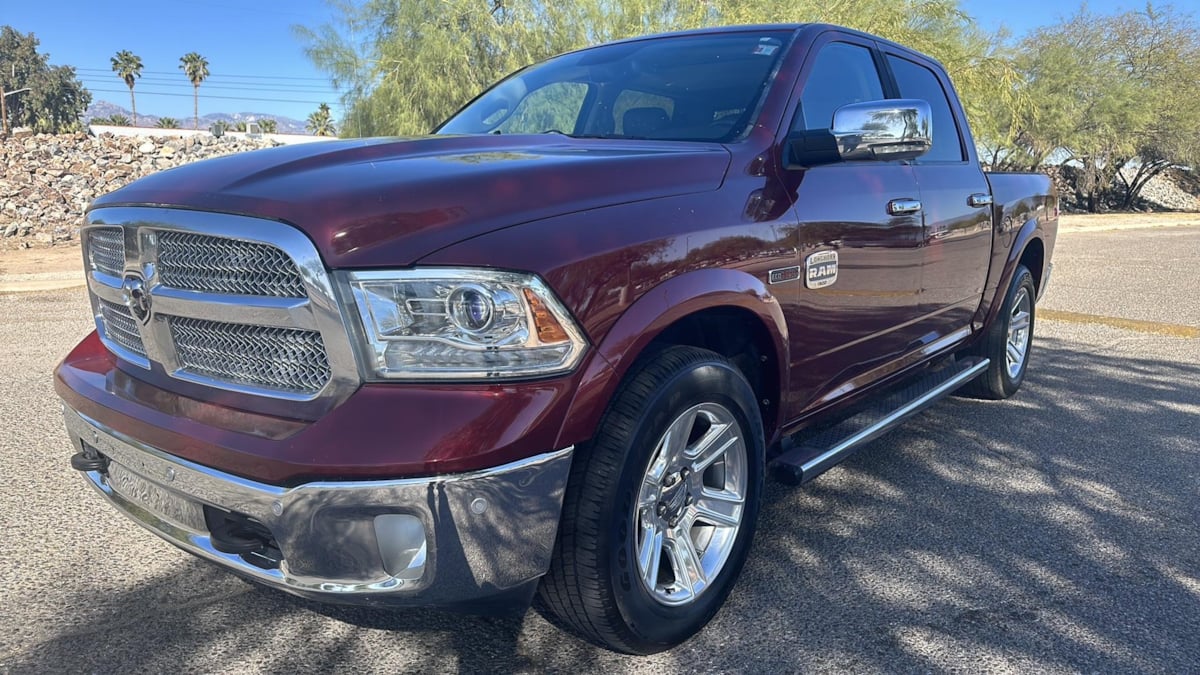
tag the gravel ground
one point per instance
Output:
(1055, 532)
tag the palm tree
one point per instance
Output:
(196, 69)
(115, 120)
(268, 125)
(320, 121)
(167, 123)
(128, 67)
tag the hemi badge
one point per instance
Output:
(820, 269)
(783, 274)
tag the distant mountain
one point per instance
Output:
(106, 109)
(286, 125)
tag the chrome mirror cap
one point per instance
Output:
(883, 130)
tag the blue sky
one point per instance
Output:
(250, 48)
(256, 62)
(1019, 16)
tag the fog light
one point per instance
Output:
(401, 545)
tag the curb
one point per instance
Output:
(1189, 220)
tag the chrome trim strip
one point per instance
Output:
(321, 311)
(828, 459)
(319, 526)
(102, 286)
(946, 341)
(271, 312)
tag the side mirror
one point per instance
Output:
(873, 130)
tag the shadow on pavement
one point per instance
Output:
(1054, 531)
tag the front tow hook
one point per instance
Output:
(89, 460)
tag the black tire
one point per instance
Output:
(595, 586)
(998, 382)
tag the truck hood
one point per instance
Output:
(390, 202)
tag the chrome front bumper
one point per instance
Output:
(443, 540)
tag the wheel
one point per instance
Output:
(661, 505)
(1008, 342)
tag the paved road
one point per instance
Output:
(1054, 532)
(1147, 275)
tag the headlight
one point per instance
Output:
(462, 324)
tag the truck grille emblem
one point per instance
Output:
(133, 292)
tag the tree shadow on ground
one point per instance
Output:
(1054, 531)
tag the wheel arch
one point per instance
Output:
(1033, 257)
(1027, 247)
(728, 311)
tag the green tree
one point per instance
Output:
(239, 126)
(128, 67)
(1159, 49)
(1118, 100)
(195, 67)
(403, 72)
(167, 123)
(268, 125)
(115, 120)
(320, 121)
(1087, 108)
(56, 100)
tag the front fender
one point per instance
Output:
(648, 317)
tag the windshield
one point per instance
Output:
(683, 88)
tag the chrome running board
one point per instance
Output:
(814, 454)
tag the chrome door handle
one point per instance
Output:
(899, 207)
(980, 199)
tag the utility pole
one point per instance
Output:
(4, 101)
(4, 106)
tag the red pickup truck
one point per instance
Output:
(554, 348)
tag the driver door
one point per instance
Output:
(858, 309)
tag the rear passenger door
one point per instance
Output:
(855, 318)
(955, 199)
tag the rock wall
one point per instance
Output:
(47, 181)
(1162, 192)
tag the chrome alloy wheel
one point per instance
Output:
(1018, 333)
(690, 504)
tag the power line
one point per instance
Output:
(209, 87)
(106, 81)
(184, 81)
(227, 98)
(180, 72)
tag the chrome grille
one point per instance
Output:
(120, 327)
(201, 262)
(106, 248)
(235, 303)
(258, 356)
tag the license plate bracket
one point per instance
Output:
(159, 501)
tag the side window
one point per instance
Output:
(843, 74)
(917, 81)
(553, 107)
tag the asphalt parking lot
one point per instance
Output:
(1055, 532)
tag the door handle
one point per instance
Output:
(980, 199)
(899, 207)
